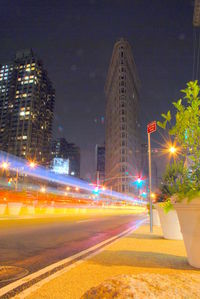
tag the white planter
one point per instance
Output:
(3, 208)
(156, 218)
(169, 223)
(189, 218)
(14, 208)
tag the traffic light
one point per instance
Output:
(9, 181)
(139, 181)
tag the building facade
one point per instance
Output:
(67, 151)
(122, 126)
(100, 163)
(26, 108)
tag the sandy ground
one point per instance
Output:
(138, 253)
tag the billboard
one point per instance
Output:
(60, 166)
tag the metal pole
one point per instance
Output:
(150, 200)
(17, 175)
(97, 178)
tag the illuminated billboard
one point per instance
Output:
(60, 166)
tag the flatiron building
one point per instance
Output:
(122, 158)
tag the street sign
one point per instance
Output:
(151, 127)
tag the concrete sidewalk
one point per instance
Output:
(138, 253)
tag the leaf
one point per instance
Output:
(169, 116)
(164, 116)
(178, 104)
(162, 125)
(172, 131)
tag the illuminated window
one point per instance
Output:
(19, 79)
(24, 137)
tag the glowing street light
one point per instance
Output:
(43, 189)
(67, 188)
(172, 149)
(77, 189)
(4, 165)
(32, 164)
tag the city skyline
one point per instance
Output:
(75, 41)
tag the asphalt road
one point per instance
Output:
(37, 243)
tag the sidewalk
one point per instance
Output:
(137, 253)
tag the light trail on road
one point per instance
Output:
(22, 167)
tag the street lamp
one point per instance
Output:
(43, 189)
(4, 165)
(32, 164)
(172, 149)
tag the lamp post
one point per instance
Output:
(150, 129)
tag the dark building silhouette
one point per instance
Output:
(26, 108)
(100, 163)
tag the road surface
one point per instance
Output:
(36, 243)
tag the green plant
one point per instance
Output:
(174, 179)
(173, 182)
(185, 128)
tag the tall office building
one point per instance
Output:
(61, 149)
(26, 108)
(122, 127)
(100, 163)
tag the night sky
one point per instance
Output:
(75, 41)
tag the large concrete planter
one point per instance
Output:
(169, 223)
(189, 218)
(156, 218)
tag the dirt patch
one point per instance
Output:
(147, 286)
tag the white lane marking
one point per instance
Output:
(87, 220)
(36, 274)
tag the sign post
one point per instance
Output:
(151, 127)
